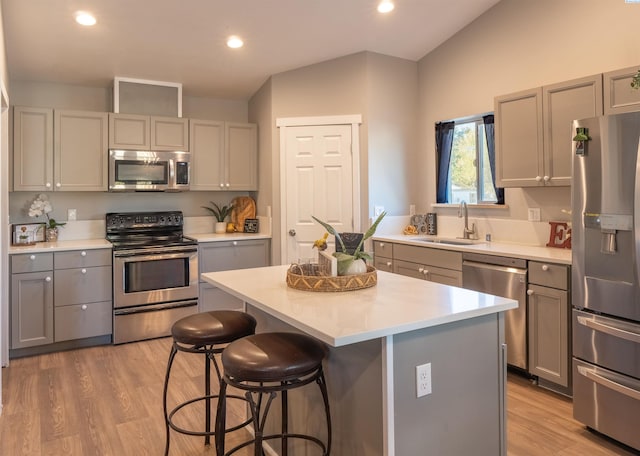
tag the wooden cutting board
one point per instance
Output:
(244, 207)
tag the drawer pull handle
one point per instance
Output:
(608, 329)
(388, 263)
(32, 257)
(545, 267)
(83, 253)
(47, 279)
(84, 307)
(84, 271)
(529, 292)
(235, 242)
(426, 272)
(592, 375)
(421, 270)
(382, 245)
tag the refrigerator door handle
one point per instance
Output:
(609, 329)
(592, 375)
(636, 213)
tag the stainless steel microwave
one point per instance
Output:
(148, 171)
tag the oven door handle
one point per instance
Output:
(157, 256)
(154, 308)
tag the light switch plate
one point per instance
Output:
(72, 214)
(534, 214)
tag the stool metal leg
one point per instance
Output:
(207, 401)
(325, 397)
(172, 355)
(221, 414)
(285, 422)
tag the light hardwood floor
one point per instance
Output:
(108, 401)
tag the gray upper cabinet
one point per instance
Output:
(80, 151)
(59, 150)
(136, 132)
(224, 155)
(533, 131)
(32, 149)
(207, 152)
(618, 94)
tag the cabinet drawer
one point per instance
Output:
(82, 285)
(213, 298)
(549, 275)
(383, 249)
(383, 264)
(424, 255)
(427, 272)
(228, 255)
(83, 320)
(31, 262)
(82, 258)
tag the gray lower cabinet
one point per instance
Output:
(31, 300)
(435, 265)
(223, 256)
(548, 319)
(83, 294)
(383, 256)
(60, 296)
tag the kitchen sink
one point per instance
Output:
(450, 241)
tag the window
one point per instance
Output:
(466, 162)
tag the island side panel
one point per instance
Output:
(354, 382)
(464, 413)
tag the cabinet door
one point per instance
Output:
(618, 95)
(548, 314)
(32, 149)
(206, 139)
(82, 285)
(228, 255)
(83, 320)
(241, 156)
(31, 309)
(519, 141)
(129, 131)
(169, 133)
(563, 103)
(213, 298)
(409, 269)
(444, 276)
(80, 151)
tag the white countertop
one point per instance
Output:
(527, 252)
(395, 305)
(59, 246)
(213, 237)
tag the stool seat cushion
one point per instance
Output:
(215, 327)
(272, 357)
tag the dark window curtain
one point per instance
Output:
(444, 141)
(489, 131)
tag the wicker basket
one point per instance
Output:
(306, 277)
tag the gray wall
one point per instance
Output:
(94, 205)
(518, 45)
(383, 90)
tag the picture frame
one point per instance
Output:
(251, 225)
(27, 233)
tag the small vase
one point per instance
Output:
(221, 227)
(51, 235)
(357, 267)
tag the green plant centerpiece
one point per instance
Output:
(635, 82)
(345, 260)
(220, 213)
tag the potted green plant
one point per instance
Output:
(352, 264)
(220, 213)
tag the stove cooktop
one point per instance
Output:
(127, 230)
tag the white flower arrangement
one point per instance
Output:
(42, 206)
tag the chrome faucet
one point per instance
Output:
(466, 232)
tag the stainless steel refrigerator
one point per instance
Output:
(606, 275)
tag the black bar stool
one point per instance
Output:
(269, 363)
(204, 333)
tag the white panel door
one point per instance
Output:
(319, 182)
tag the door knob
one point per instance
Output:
(292, 232)
(529, 292)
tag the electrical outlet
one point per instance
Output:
(423, 380)
(412, 209)
(377, 210)
(71, 214)
(534, 214)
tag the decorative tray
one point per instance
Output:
(308, 277)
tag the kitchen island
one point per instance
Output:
(375, 339)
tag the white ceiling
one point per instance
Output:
(184, 40)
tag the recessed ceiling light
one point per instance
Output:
(385, 6)
(84, 18)
(234, 42)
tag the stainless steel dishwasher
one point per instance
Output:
(507, 277)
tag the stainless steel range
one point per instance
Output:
(155, 273)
